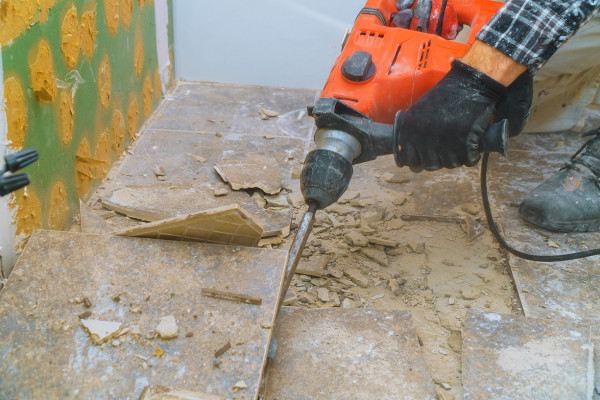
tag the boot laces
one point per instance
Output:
(578, 159)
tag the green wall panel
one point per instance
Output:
(58, 161)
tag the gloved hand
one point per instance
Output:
(443, 128)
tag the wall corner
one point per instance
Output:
(7, 226)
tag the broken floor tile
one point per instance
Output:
(101, 331)
(290, 297)
(395, 177)
(191, 180)
(382, 241)
(164, 278)
(296, 199)
(221, 192)
(323, 294)
(340, 209)
(101, 221)
(278, 200)
(268, 113)
(154, 204)
(376, 255)
(355, 238)
(259, 199)
(357, 277)
(167, 327)
(254, 172)
(198, 158)
(235, 108)
(341, 353)
(313, 266)
(371, 216)
(515, 357)
(347, 196)
(158, 171)
(225, 225)
(239, 385)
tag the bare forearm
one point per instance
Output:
(493, 63)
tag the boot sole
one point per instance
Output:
(567, 227)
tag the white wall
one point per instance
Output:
(290, 43)
(161, 19)
(7, 228)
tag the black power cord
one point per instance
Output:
(503, 243)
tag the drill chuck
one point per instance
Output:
(328, 169)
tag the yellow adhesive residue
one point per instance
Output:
(67, 116)
(16, 16)
(147, 96)
(111, 15)
(126, 12)
(88, 32)
(69, 37)
(58, 207)
(157, 84)
(117, 125)
(133, 118)
(104, 82)
(16, 112)
(84, 169)
(102, 155)
(171, 58)
(42, 74)
(138, 52)
(28, 216)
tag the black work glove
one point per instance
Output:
(443, 128)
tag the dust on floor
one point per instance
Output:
(378, 258)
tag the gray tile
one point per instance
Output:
(515, 357)
(347, 354)
(214, 107)
(46, 353)
(230, 225)
(567, 289)
(189, 184)
(172, 151)
(159, 203)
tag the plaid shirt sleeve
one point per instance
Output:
(530, 31)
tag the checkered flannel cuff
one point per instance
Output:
(527, 31)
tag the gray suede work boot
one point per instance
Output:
(570, 200)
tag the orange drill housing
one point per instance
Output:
(407, 62)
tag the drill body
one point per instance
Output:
(384, 69)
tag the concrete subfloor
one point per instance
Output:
(435, 269)
(508, 284)
(226, 114)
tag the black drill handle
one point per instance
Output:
(495, 139)
(381, 140)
